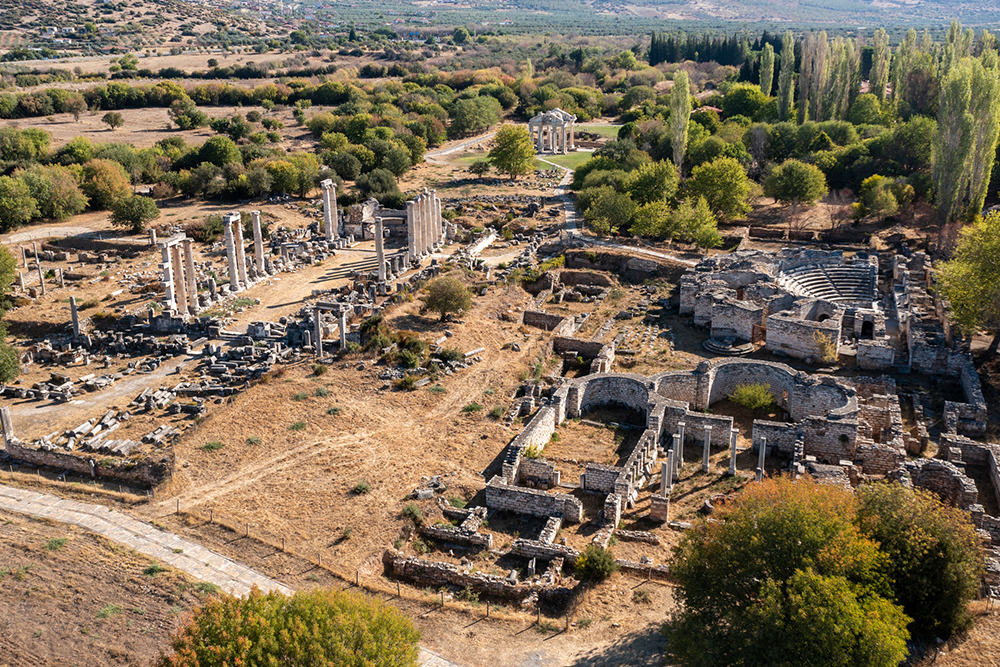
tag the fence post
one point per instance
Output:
(398, 592)
(442, 598)
(178, 506)
(321, 560)
(282, 543)
(248, 529)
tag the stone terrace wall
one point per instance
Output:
(574, 278)
(502, 496)
(588, 349)
(876, 459)
(561, 326)
(600, 477)
(538, 432)
(146, 472)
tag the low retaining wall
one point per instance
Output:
(127, 471)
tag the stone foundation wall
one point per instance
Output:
(875, 355)
(501, 496)
(876, 459)
(574, 278)
(731, 317)
(600, 478)
(797, 337)
(146, 472)
(558, 324)
(544, 551)
(538, 474)
(455, 535)
(944, 479)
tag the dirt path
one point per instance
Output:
(430, 156)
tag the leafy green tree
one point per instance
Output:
(694, 221)
(473, 115)
(743, 99)
(596, 563)
(346, 165)
(324, 628)
(220, 151)
(447, 295)
(680, 116)
(970, 280)
(881, 58)
(55, 189)
(766, 69)
(284, 175)
(75, 105)
(480, 168)
(954, 142)
(653, 220)
(17, 206)
(653, 181)
(113, 119)
(935, 560)
(397, 160)
(866, 110)
(513, 153)
(786, 84)
(460, 35)
(781, 573)
(724, 185)
(609, 212)
(752, 395)
(795, 182)
(134, 212)
(104, 182)
(10, 365)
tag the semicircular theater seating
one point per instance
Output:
(841, 282)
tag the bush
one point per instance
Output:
(134, 212)
(298, 426)
(456, 501)
(408, 359)
(596, 563)
(406, 383)
(361, 488)
(497, 412)
(109, 610)
(753, 396)
(472, 407)
(322, 392)
(318, 627)
(450, 354)
(319, 369)
(56, 544)
(641, 595)
(212, 446)
(154, 569)
(300, 396)
(467, 595)
(446, 295)
(254, 440)
(413, 513)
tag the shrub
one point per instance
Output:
(456, 501)
(362, 487)
(755, 396)
(319, 369)
(318, 627)
(56, 544)
(533, 452)
(472, 407)
(322, 392)
(583, 623)
(496, 412)
(641, 595)
(109, 610)
(154, 569)
(596, 563)
(406, 383)
(300, 396)
(467, 595)
(447, 295)
(408, 359)
(212, 446)
(437, 389)
(347, 533)
(334, 411)
(298, 426)
(254, 440)
(450, 354)
(413, 513)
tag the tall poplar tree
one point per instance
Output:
(881, 59)
(985, 109)
(902, 65)
(767, 69)
(953, 145)
(786, 88)
(680, 116)
(806, 76)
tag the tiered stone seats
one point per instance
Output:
(844, 282)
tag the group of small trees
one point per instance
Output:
(793, 570)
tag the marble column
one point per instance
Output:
(234, 276)
(241, 258)
(258, 243)
(380, 249)
(677, 456)
(666, 483)
(436, 218)
(706, 449)
(41, 274)
(180, 289)
(24, 256)
(329, 209)
(762, 453)
(168, 279)
(343, 329)
(680, 447)
(192, 280)
(152, 237)
(75, 315)
(59, 277)
(411, 229)
(732, 451)
(318, 317)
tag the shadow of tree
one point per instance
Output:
(644, 648)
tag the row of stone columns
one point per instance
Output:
(239, 274)
(553, 139)
(331, 219)
(424, 225)
(179, 281)
(675, 456)
(318, 310)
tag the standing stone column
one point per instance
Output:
(538, 142)
(572, 137)
(234, 276)
(41, 274)
(20, 279)
(706, 449)
(680, 448)
(343, 328)
(258, 243)
(60, 278)
(75, 315)
(677, 456)
(6, 426)
(152, 236)
(436, 218)
(241, 258)
(666, 483)
(411, 230)
(318, 317)
(379, 250)
(180, 289)
(168, 278)
(329, 209)
(732, 451)
(762, 454)
(192, 280)
(24, 256)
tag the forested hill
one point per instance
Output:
(636, 16)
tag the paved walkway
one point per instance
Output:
(168, 548)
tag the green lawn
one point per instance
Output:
(570, 160)
(609, 131)
(466, 161)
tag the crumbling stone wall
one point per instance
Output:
(538, 474)
(789, 334)
(503, 496)
(146, 472)
(944, 479)
(599, 477)
(731, 317)
(558, 324)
